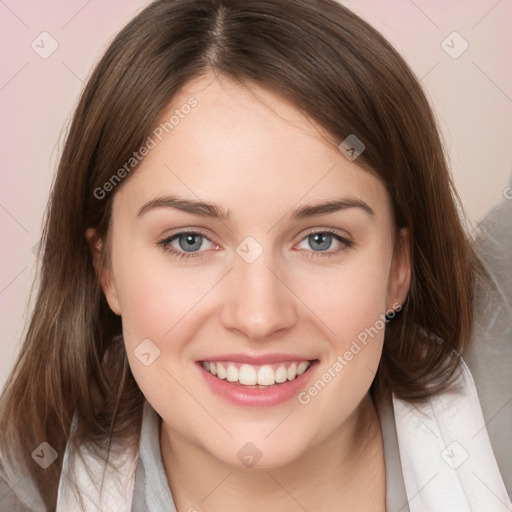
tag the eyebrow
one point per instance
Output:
(217, 212)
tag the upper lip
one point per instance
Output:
(256, 359)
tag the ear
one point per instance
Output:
(400, 273)
(103, 273)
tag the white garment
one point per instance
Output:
(86, 470)
(447, 460)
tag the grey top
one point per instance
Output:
(489, 359)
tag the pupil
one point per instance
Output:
(323, 239)
(191, 242)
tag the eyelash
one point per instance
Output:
(182, 255)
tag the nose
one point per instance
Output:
(258, 301)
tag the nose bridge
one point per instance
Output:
(258, 302)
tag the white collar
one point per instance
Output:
(446, 455)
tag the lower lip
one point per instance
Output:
(257, 397)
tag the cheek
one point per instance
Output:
(352, 305)
(348, 298)
(155, 296)
(156, 305)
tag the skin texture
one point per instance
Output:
(250, 151)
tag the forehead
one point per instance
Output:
(247, 149)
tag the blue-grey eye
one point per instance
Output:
(190, 241)
(320, 241)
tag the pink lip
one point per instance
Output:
(256, 360)
(257, 397)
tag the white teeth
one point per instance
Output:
(303, 366)
(266, 376)
(281, 374)
(292, 371)
(221, 371)
(232, 373)
(249, 375)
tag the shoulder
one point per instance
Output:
(489, 355)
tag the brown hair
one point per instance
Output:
(337, 70)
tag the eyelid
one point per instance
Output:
(326, 229)
(346, 242)
(165, 243)
(185, 231)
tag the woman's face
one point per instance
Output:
(260, 284)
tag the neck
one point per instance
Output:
(346, 468)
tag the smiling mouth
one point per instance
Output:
(256, 376)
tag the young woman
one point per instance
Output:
(256, 292)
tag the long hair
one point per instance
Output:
(334, 68)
